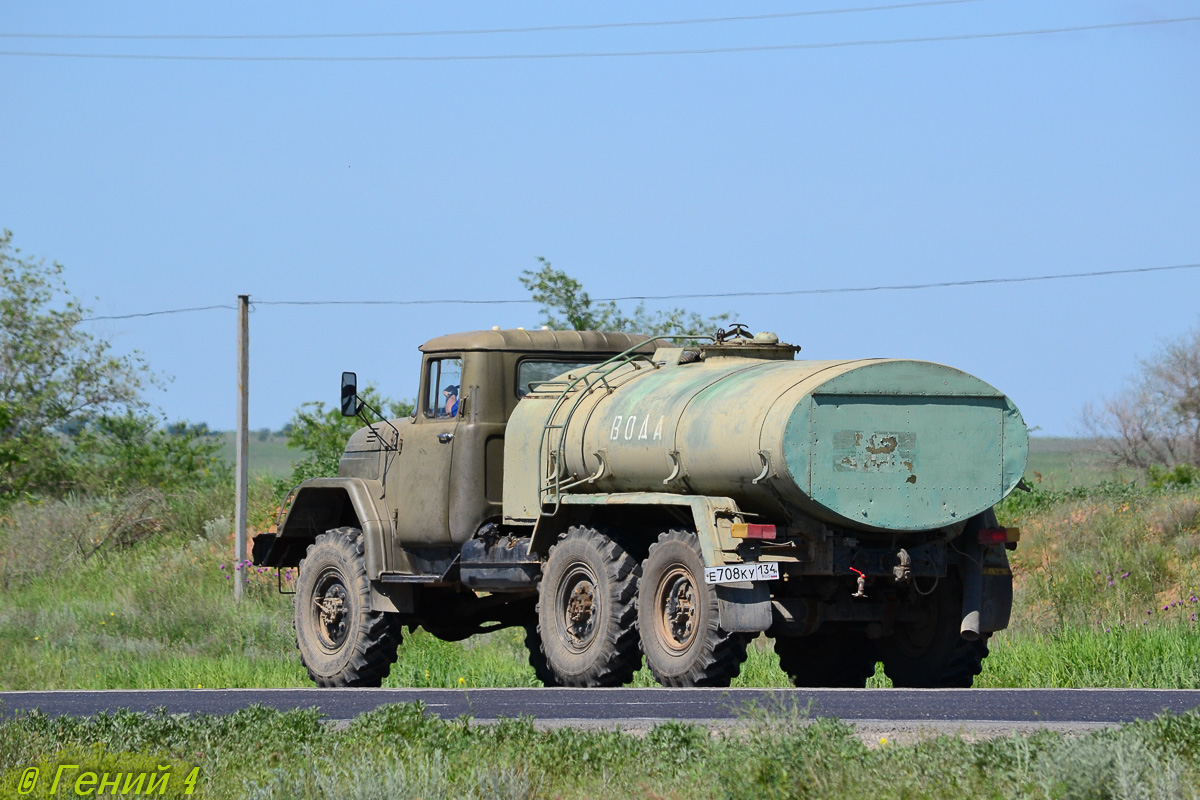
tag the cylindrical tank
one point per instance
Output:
(872, 444)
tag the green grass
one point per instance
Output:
(397, 751)
(1107, 594)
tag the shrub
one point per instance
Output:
(131, 451)
(1179, 475)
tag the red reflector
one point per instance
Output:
(760, 531)
(993, 536)
(742, 530)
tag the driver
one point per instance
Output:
(451, 395)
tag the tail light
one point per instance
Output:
(993, 536)
(743, 530)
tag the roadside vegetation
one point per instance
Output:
(397, 751)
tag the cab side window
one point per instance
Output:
(444, 382)
(531, 372)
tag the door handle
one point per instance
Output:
(445, 437)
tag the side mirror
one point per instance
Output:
(349, 394)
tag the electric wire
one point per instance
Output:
(159, 313)
(960, 37)
(484, 31)
(689, 296)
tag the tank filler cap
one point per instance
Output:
(738, 342)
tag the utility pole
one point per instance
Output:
(242, 446)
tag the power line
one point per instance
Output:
(612, 54)
(689, 296)
(159, 313)
(484, 31)
(913, 286)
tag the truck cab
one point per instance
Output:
(421, 486)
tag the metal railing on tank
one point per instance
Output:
(551, 452)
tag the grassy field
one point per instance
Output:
(269, 453)
(1062, 463)
(1107, 582)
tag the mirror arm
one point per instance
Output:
(358, 413)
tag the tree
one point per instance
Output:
(1155, 421)
(53, 373)
(566, 306)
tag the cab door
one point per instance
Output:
(421, 475)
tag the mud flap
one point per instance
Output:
(391, 598)
(997, 598)
(744, 607)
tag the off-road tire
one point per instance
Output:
(537, 659)
(827, 659)
(679, 618)
(934, 655)
(586, 611)
(342, 642)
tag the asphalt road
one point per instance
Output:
(615, 706)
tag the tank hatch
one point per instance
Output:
(737, 342)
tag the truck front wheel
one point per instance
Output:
(679, 618)
(586, 611)
(342, 641)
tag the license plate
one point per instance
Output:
(736, 573)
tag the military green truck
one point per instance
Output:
(623, 498)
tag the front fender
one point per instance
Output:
(322, 504)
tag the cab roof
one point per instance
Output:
(537, 341)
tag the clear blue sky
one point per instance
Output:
(164, 184)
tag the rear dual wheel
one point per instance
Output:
(679, 618)
(930, 653)
(828, 658)
(595, 602)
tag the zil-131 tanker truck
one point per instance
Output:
(623, 498)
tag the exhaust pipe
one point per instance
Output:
(972, 582)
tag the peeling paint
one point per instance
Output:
(854, 451)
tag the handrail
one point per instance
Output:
(552, 482)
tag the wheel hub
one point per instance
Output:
(678, 611)
(580, 611)
(330, 611)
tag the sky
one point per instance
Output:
(166, 184)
